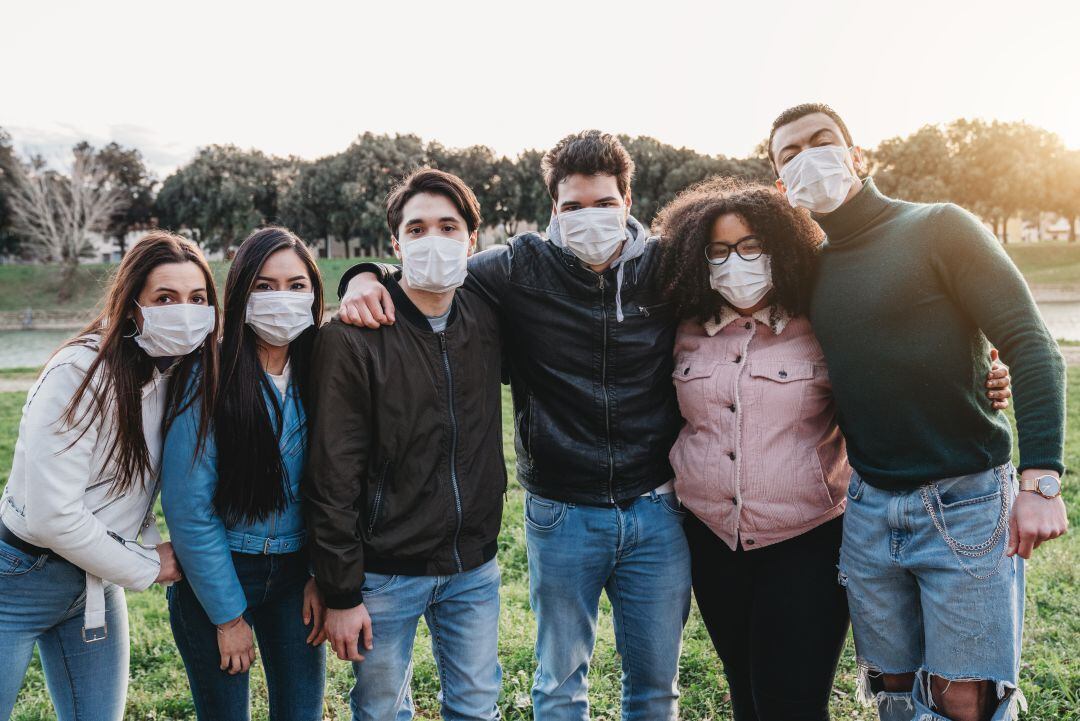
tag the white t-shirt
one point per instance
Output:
(281, 381)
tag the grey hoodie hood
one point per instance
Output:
(634, 247)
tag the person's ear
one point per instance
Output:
(554, 207)
(629, 200)
(858, 160)
(396, 246)
(472, 241)
(780, 186)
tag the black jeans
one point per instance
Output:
(295, 671)
(777, 617)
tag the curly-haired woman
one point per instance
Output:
(760, 463)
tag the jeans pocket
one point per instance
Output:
(14, 562)
(672, 504)
(376, 583)
(542, 514)
(855, 487)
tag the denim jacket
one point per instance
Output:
(203, 542)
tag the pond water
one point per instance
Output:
(31, 348)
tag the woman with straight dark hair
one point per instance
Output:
(231, 496)
(84, 478)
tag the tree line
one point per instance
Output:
(999, 170)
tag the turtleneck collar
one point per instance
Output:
(846, 221)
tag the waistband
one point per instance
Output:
(265, 545)
(8, 536)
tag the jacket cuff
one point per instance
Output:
(343, 599)
(382, 271)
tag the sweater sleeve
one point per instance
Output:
(61, 455)
(984, 281)
(188, 483)
(339, 418)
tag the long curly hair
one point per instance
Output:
(685, 225)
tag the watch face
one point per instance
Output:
(1049, 486)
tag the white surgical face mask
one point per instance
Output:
(819, 179)
(743, 283)
(434, 263)
(174, 330)
(279, 316)
(593, 234)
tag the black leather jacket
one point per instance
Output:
(595, 412)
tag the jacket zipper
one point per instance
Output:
(453, 447)
(378, 499)
(607, 402)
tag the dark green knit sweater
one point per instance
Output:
(906, 298)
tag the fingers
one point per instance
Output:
(352, 653)
(366, 318)
(1014, 538)
(994, 354)
(387, 303)
(1027, 544)
(374, 306)
(366, 633)
(1002, 380)
(348, 314)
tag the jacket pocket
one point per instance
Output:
(782, 371)
(377, 499)
(692, 369)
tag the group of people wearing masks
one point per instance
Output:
(786, 403)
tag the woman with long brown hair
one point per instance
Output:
(84, 479)
(231, 496)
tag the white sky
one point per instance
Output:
(305, 78)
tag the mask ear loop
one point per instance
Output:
(135, 330)
(134, 324)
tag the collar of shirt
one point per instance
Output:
(773, 316)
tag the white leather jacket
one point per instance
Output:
(58, 495)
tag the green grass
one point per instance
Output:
(1051, 263)
(38, 286)
(1050, 675)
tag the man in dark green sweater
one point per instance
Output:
(908, 300)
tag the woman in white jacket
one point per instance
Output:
(85, 476)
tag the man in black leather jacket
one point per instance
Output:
(588, 342)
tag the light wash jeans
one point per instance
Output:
(462, 614)
(936, 599)
(639, 556)
(41, 602)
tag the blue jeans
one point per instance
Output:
(295, 671)
(639, 555)
(41, 602)
(934, 598)
(462, 613)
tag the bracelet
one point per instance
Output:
(223, 627)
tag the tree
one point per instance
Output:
(920, 168)
(127, 172)
(10, 242)
(1064, 190)
(56, 213)
(222, 194)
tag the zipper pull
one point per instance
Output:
(601, 282)
(644, 310)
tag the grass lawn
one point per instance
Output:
(1050, 676)
(37, 286)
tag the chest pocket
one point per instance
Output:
(694, 386)
(780, 383)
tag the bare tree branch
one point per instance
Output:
(56, 213)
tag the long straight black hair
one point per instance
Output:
(252, 483)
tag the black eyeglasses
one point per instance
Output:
(749, 248)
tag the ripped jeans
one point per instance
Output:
(930, 590)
